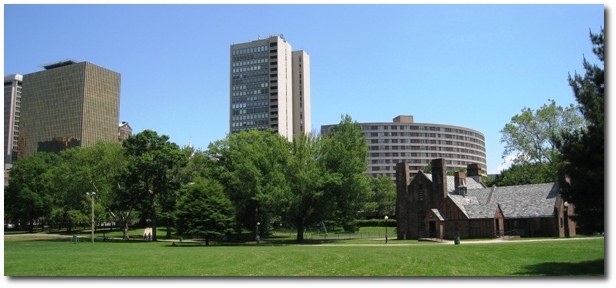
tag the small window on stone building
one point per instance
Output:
(421, 193)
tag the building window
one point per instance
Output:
(421, 193)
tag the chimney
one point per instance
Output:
(473, 170)
(458, 179)
(402, 177)
(439, 177)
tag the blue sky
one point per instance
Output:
(473, 66)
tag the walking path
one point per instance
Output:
(391, 242)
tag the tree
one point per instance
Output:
(526, 173)
(344, 157)
(305, 202)
(428, 168)
(199, 165)
(583, 149)
(87, 169)
(151, 159)
(531, 135)
(251, 166)
(382, 195)
(28, 196)
(204, 210)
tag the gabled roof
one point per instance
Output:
(468, 181)
(125, 124)
(438, 214)
(520, 201)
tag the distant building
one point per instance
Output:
(269, 87)
(68, 105)
(436, 205)
(404, 141)
(12, 114)
(124, 130)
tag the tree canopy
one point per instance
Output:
(204, 210)
(583, 150)
(530, 136)
(151, 159)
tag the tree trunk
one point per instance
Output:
(207, 241)
(31, 226)
(168, 236)
(300, 232)
(125, 231)
(153, 215)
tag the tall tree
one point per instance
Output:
(583, 149)
(204, 210)
(151, 159)
(250, 165)
(526, 173)
(531, 135)
(382, 195)
(305, 202)
(29, 195)
(87, 169)
(344, 157)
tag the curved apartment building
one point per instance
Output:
(404, 141)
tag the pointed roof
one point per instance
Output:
(520, 201)
(470, 183)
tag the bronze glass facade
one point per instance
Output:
(67, 105)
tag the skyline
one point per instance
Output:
(473, 66)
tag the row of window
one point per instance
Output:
(416, 127)
(250, 86)
(424, 135)
(250, 123)
(249, 62)
(250, 92)
(413, 147)
(248, 104)
(423, 141)
(249, 117)
(249, 98)
(249, 68)
(253, 79)
(248, 74)
(419, 154)
(250, 50)
(427, 157)
(249, 111)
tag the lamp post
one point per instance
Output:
(386, 228)
(258, 238)
(566, 219)
(91, 194)
(257, 224)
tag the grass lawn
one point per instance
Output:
(59, 257)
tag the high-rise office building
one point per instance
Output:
(67, 105)
(12, 107)
(269, 87)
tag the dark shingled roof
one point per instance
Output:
(521, 201)
(469, 182)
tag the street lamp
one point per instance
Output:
(566, 219)
(258, 237)
(386, 228)
(91, 194)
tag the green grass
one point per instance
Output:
(59, 257)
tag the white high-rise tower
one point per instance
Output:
(269, 87)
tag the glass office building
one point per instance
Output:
(67, 105)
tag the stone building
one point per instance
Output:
(440, 206)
